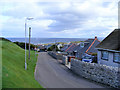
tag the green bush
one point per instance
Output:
(22, 45)
(53, 47)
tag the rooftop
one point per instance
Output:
(112, 41)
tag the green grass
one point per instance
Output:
(0, 66)
(13, 73)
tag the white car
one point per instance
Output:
(87, 58)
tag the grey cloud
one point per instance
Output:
(65, 19)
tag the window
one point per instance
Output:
(87, 57)
(116, 57)
(104, 55)
(82, 44)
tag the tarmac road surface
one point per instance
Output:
(50, 73)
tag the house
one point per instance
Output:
(47, 46)
(109, 49)
(65, 47)
(70, 49)
(41, 47)
(59, 45)
(76, 49)
(87, 47)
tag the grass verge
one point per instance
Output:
(13, 73)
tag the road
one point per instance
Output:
(50, 73)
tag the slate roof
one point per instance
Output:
(112, 41)
(90, 46)
(71, 48)
(64, 48)
(41, 47)
(47, 46)
(77, 48)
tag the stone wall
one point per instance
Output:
(55, 55)
(64, 60)
(100, 73)
(97, 72)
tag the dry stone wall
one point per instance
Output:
(65, 60)
(100, 73)
(96, 72)
(55, 55)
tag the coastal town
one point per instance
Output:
(92, 59)
(60, 44)
(91, 50)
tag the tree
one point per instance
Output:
(53, 47)
(22, 45)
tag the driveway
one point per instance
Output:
(50, 73)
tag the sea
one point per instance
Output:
(48, 40)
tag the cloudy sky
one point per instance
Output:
(59, 18)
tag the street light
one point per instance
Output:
(25, 39)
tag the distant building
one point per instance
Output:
(48, 46)
(76, 49)
(64, 47)
(109, 49)
(41, 48)
(59, 46)
(70, 49)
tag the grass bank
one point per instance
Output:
(13, 73)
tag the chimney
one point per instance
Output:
(95, 37)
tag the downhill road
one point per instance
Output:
(50, 73)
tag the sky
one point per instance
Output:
(58, 18)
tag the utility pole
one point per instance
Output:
(29, 40)
(35, 51)
(55, 45)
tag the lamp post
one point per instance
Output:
(26, 40)
(29, 40)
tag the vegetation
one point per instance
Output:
(13, 73)
(94, 54)
(0, 65)
(49, 43)
(95, 60)
(76, 41)
(22, 45)
(53, 47)
(1, 38)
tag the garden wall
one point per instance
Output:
(97, 72)
(55, 55)
(100, 73)
(65, 60)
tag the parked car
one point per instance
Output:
(88, 58)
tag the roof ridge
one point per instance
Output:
(98, 40)
(69, 47)
(74, 46)
(91, 45)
